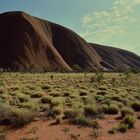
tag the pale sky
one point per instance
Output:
(109, 22)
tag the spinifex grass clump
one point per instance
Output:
(16, 117)
(71, 113)
(84, 116)
(126, 111)
(136, 105)
(93, 111)
(128, 122)
(111, 109)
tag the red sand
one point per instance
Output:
(46, 131)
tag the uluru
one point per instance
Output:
(29, 42)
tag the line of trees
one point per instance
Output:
(76, 68)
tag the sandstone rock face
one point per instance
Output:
(117, 59)
(27, 42)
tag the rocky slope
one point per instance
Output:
(117, 59)
(30, 43)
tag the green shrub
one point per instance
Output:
(46, 87)
(136, 105)
(2, 90)
(113, 130)
(14, 93)
(95, 124)
(21, 117)
(103, 88)
(129, 120)
(90, 110)
(83, 92)
(66, 93)
(95, 133)
(77, 68)
(46, 99)
(126, 111)
(92, 79)
(72, 113)
(119, 104)
(37, 94)
(5, 112)
(44, 107)
(112, 109)
(105, 108)
(117, 98)
(55, 93)
(99, 98)
(56, 111)
(83, 87)
(123, 127)
(87, 100)
(56, 102)
(16, 117)
(29, 138)
(4, 96)
(127, 123)
(99, 76)
(58, 120)
(23, 98)
(14, 102)
(101, 92)
(29, 105)
(2, 134)
(93, 111)
(81, 120)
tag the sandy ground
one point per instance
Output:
(46, 130)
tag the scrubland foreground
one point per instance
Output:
(70, 106)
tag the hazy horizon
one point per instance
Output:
(110, 22)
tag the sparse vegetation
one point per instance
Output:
(80, 98)
(111, 109)
(129, 120)
(16, 117)
(2, 134)
(136, 105)
(126, 111)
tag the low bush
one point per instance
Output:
(72, 113)
(16, 117)
(117, 98)
(129, 120)
(2, 134)
(99, 98)
(126, 111)
(22, 98)
(55, 93)
(87, 100)
(46, 99)
(122, 127)
(21, 117)
(95, 124)
(112, 109)
(29, 105)
(90, 110)
(56, 102)
(83, 92)
(56, 111)
(66, 93)
(81, 120)
(44, 107)
(37, 94)
(101, 92)
(113, 130)
(103, 88)
(136, 105)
